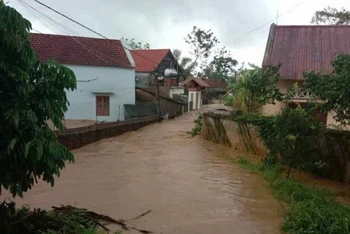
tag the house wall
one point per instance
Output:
(144, 79)
(192, 97)
(170, 108)
(272, 109)
(284, 86)
(176, 90)
(118, 83)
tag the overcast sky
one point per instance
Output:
(165, 23)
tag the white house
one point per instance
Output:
(105, 74)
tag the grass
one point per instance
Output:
(311, 210)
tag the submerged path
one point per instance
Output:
(186, 182)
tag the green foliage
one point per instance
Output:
(57, 221)
(198, 126)
(291, 135)
(333, 89)
(331, 15)
(185, 63)
(296, 132)
(311, 210)
(229, 100)
(255, 88)
(201, 43)
(31, 92)
(135, 45)
(221, 67)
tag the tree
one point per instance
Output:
(177, 54)
(331, 15)
(185, 63)
(134, 45)
(221, 67)
(333, 88)
(201, 44)
(255, 88)
(31, 92)
(295, 134)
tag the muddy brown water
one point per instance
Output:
(188, 183)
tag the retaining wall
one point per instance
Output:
(77, 137)
(219, 127)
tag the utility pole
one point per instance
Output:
(157, 97)
(277, 17)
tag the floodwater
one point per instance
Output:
(188, 183)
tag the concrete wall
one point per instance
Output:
(118, 83)
(272, 109)
(219, 127)
(78, 137)
(176, 90)
(285, 86)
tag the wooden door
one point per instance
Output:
(102, 105)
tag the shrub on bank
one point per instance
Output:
(291, 137)
(311, 210)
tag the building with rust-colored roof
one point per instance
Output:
(105, 74)
(151, 61)
(194, 87)
(303, 48)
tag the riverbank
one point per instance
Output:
(308, 209)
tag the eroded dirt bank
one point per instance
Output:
(186, 182)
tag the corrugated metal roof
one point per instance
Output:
(80, 50)
(305, 48)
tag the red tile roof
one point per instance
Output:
(79, 50)
(148, 60)
(304, 48)
(199, 81)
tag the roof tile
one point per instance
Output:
(148, 60)
(80, 50)
(197, 80)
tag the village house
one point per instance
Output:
(104, 70)
(303, 48)
(193, 89)
(151, 62)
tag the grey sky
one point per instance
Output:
(164, 23)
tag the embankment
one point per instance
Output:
(219, 127)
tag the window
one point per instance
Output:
(102, 105)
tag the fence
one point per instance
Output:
(77, 137)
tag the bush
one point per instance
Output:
(296, 132)
(311, 210)
(60, 220)
(255, 88)
(198, 125)
(290, 137)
